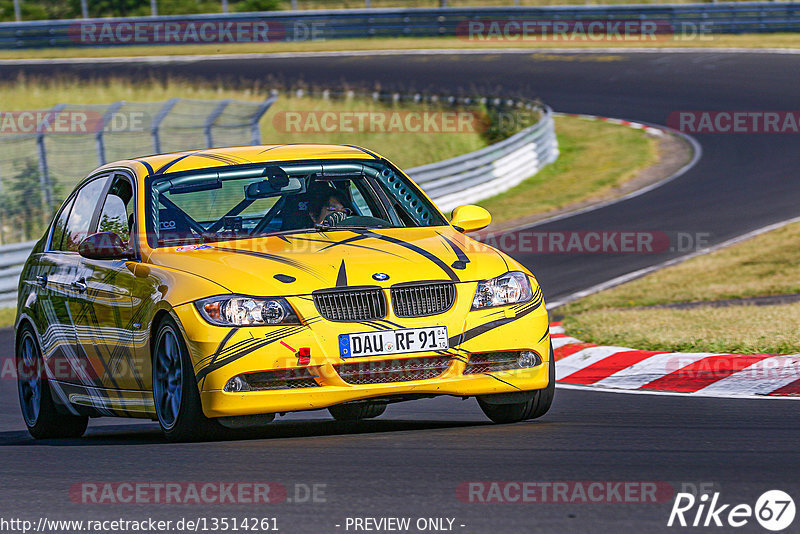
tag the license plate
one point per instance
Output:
(401, 341)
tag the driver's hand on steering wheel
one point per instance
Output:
(335, 218)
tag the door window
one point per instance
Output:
(117, 214)
(80, 216)
(60, 225)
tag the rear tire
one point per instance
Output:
(357, 412)
(175, 392)
(36, 402)
(534, 406)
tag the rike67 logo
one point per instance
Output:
(774, 510)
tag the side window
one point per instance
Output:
(60, 225)
(117, 214)
(80, 216)
(359, 202)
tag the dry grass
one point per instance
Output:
(595, 157)
(776, 40)
(7, 317)
(765, 265)
(736, 329)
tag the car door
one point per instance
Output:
(106, 321)
(68, 367)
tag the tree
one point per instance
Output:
(21, 203)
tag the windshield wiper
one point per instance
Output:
(325, 227)
(322, 227)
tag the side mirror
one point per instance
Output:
(104, 246)
(470, 218)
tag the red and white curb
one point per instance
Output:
(621, 369)
(652, 130)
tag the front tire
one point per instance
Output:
(357, 412)
(535, 403)
(36, 402)
(175, 392)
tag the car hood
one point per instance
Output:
(298, 264)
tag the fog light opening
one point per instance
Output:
(237, 384)
(528, 358)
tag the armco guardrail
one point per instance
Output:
(491, 170)
(727, 17)
(11, 259)
(461, 180)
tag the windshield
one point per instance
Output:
(246, 201)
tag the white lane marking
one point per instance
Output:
(596, 389)
(584, 358)
(652, 368)
(394, 52)
(762, 377)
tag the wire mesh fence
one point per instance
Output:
(44, 153)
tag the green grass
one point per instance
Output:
(595, 157)
(765, 265)
(773, 40)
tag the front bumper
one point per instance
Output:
(220, 354)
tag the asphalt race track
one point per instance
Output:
(410, 461)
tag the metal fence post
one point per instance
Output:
(107, 116)
(211, 119)
(155, 128)
(17, 11)
(255, 130)
(44, 173)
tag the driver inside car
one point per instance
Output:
(329, 207)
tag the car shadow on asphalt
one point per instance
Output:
(141, 434)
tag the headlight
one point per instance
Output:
(235, 310)
(509, 288)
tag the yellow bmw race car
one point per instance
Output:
(214, 289)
